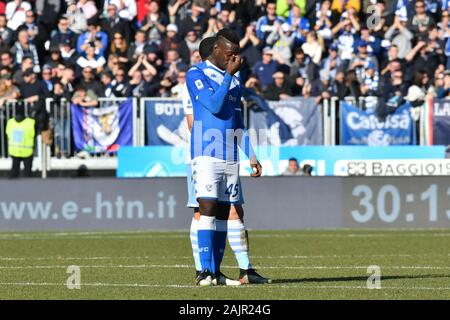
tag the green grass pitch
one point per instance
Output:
(325, 264)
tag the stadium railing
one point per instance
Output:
(8, 111)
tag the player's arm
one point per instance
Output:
(200, 90)
(246, 146)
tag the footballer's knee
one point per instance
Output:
(236, 212)
(207, 207)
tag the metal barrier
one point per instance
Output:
(8, 111)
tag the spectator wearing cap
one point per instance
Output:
(265, 68)
(15, 13)
(93, 34)
(331, 63)
(91, 60)
(281, 39)
(280, 89)
(68, 53)
(76, 18)
(171, 42)
(298, 24)
(23, 47)
(362, 59)
(266, 24)
(399, 35)
(113, 23)
(32, 89)
(6, 34)
(127, 9)
(370, 80)
(62, 33)
(197, 20)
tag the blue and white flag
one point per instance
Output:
(292, 122)
(401, 9)
(364, 128)
(103, 129)
(165, 123)
(441, 122)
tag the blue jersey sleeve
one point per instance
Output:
(200, 90)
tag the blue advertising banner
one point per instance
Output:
(165, 161)
(102, 129)
(441, 122)
(363, 128)
(292, 122)
(165, 123)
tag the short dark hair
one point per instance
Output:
(206, 47)
(229, 35)
(293, 159)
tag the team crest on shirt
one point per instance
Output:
(208, 187)
(199, 84)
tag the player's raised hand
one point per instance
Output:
(256, 167)
(234, 64)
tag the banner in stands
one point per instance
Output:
(102, 129)
(362, 128)
(292, 122)
(441, 122)
(160, 204)
(165, 123)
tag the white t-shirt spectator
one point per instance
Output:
(16, 13)
(83, 62)
(128, 11)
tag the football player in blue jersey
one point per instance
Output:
(216, 133)
(237, 235)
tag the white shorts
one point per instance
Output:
(216, 179)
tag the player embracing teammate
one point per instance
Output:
(214, 93)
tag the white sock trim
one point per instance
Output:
(207, 223)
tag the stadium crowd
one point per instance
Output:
(86, 49)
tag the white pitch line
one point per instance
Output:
(182, 236)
(185, 266)
(305, 257)
(267, 286)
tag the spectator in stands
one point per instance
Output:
(8, 91)
(95, 35)
(323, 22)
(443, 86)
(137, 84)
(190, 43)
(27, 63)
(127, 9)
(15, 13)
(6, 34)
(421, 20)
(68, 53)
(91, 60)
(62, 34)
(154, 24)
(85, 97)
(250, 45)
(23, 47)
(76, 18)
(331, 64)
(136, 48)
(370, 80)
(106, 78)
(47, 77)
(7, 61)
(89, 81)
(120, 84)
(399, 35)
(298, 24)
(265, 68)
(279, 89)
(266, 24)
(293, 168)
(88, 8)
(178, 10)
(362, 59)
(196, 21)
(177, 89)
(119, 47)
(281, 39)
(113, 24)
(67, 81)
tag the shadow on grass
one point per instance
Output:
(343, 279)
